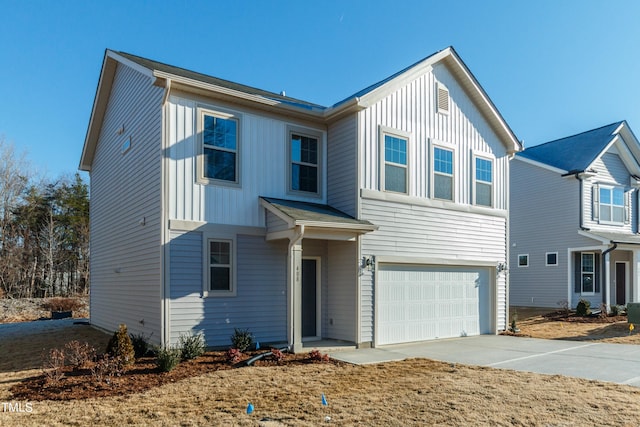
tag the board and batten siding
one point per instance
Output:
(342, 175)
(263, 166)
(260, 304)
(125, 209)
(544, 217)
(411, 231)
(341, 301)
(411, 109)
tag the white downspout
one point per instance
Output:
(165, 268)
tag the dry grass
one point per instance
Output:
(413, 392)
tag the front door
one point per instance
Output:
(621, 283)
(309, 298)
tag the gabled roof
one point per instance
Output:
(573, 153)
(169, 76)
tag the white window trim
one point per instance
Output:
(625, 205)
(546, 259)
(475, 180)
(207, 271)
(383, 130)
(443, 146)
(518, 261)
(228, 115)
(582, 272)
(310, 133)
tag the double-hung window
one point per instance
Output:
(483, 182)
(442, 173)
(219, 267)
(396, 169)
(612, 204)
(587, 268)
(305, 162)
(220, 148)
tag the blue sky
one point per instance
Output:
(553, 68)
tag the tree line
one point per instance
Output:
(44, 231)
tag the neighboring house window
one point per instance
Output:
(610, 205)
(551, 258)
(587, 273)
(220, 148)
(484, 182)
(523, 260)
(442, 173)
(305, 162)
(396, 169)
(219, 267)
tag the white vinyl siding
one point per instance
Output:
(125, 209)
(342, 171)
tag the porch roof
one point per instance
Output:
(607, 237)
(314, 216)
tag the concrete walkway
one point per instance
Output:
(617, 363)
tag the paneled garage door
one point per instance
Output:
(416, 303)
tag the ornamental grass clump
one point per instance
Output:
(191, 346)
(168, 358)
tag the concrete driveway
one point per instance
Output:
(618, 363)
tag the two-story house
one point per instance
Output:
(214, 205)
(574, 220)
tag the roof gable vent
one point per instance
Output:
(443, 99)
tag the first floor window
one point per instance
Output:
(484, 182)
(395, 164)
(304, 156)
(552, 258)
(442, 173)
(220, 266)
(523, 260)
(220, 146)
(588, 272)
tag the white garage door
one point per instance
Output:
(417, 303)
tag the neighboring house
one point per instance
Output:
(378, 220)
(574, 220)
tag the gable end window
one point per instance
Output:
(610, 205)
(219, 267)
(305, 154)
(220, 142)
(442, 173)
(523, 260)
(483, 182)
(396, 169)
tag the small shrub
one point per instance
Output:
(121, 348)
(141, 346)
(241, 339)
(191, 346)
(105, 369)
(168, 358)
(79, 354)
(277, 355)
(234, 355)
(564, 306)
(61, 304)
(603, 311)
(316, 356)
(52, 365)
(583, 308)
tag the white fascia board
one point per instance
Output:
(624, 153)
(541, 165)
(358, 228)
(129, 63)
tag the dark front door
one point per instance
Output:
(309, 303)
(621, 283)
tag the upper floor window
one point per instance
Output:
(483, 182)
(396, 169)
(442, 173)
(305, 155)
(220, 148)
(611, 204)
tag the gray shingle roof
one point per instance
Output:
(314, 212)
(573, 153)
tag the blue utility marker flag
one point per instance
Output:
(324, 400)
(257, 345)
(249, 408)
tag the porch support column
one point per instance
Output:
(634, 275)
(294, 287)
(607, 280)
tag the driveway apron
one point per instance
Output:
(617, 363)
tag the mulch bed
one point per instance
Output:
(562, 316)
(142, 376)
